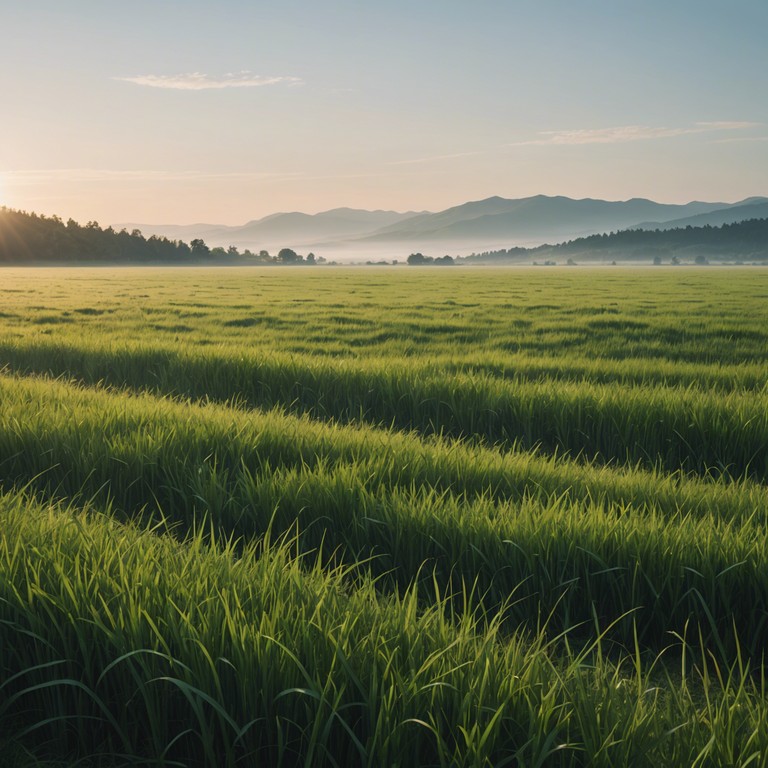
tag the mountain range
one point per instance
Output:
(473, 226)
(281, 229)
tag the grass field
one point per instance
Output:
(384, 517)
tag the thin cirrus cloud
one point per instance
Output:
(626, 133)
(198, 81)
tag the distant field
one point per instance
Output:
(379, 517)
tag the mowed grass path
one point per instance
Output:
(384, 516)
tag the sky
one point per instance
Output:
(183, 111)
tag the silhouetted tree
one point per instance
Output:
(26, 237)
(199, 248)
(289, 256)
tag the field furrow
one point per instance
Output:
(670, 427)
(511, 524)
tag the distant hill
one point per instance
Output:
(740, 241)
(539, 218)
(754, 208)
(281, 229)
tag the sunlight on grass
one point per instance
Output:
(359, 517)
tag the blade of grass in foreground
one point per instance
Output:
(259, 659)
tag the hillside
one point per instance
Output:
(539, 218)
(744, 240)
(27, 238)
(754, 208)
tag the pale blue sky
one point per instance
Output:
(170, 111)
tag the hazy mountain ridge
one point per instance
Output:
(494, 222)
(277, 230)
(31, 239)
(539, 217)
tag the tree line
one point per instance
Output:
(419, 259)
(29, 238)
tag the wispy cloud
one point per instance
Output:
(740, 139)
(197, 81)
(626, 133)
(616, 135)
(729, 125)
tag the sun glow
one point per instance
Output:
(6, 189)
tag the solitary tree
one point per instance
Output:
(199, 248)
(416, 259)
(288, 256)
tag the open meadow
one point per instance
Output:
(384, 517)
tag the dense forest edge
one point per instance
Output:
(31, 239)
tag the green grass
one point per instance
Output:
(673, 426)
(256, 658)
(384, 517)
